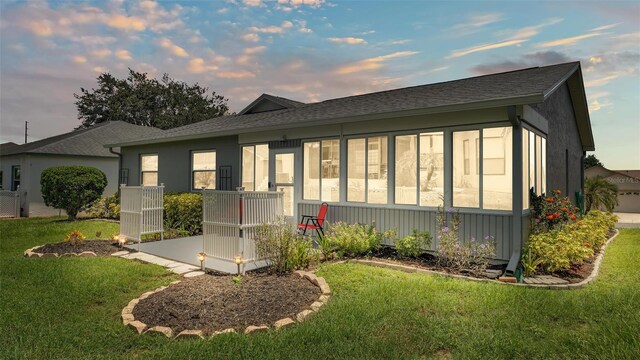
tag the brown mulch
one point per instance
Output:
(213, 303)
(423, 261)
(100, 247)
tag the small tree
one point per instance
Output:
(72, 188)
(591, 160)
(598, 192)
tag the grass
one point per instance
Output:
(69, 308)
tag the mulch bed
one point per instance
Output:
(423, 261)
(213, 303)
(100, 247)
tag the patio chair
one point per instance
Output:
(309, 222)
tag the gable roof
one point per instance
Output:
(6, 146)
(526, 86)
(599, 170)
(271, 102)
(85, 142)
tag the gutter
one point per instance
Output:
(516, 215)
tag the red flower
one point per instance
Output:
(564, 209)
(558, 192)
(587, 245)
(573, 217)
(549, 199)
(550, 217)
(580, 223)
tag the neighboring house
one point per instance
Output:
(628, 183)
(21, 165)
(390, 157)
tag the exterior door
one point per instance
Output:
(283, 177)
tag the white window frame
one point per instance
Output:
(255, 157)
(214, 171)
(366, 167)
(320, 175)
(157, 171)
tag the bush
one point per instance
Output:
(559, 249)
(551, 211)
(106, 208)
(599, 193)
(282, 246)
(352, 240)
(183, 212)
(473, 256)
(75, 238)
(72, 188)
(413, 245)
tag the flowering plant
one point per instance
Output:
(551, 211)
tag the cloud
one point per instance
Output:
(529, 31)
(474, 24)
(371, 63)
(223, 11)
(302, 27)
(79, 59)
(198, 66)
(100, 53)
(237, 74)
(525, 61)
(298, 3)
(126, 22)
(123, 54)
(41, 28)
(604, 27)
(251, 37)
(173, 48)
(567, 41)
(484, 47)
(347, 40)
(100, 69)
(252, 3)
(255, 50)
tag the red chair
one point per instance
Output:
(314, 222)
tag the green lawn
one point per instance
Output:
(69, 308)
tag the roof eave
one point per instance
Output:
(522, 100)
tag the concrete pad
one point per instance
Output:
(173, 264)
(193, 274)
(160, 261)
(120, 253)
(183, 269)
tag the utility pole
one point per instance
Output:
(26, 128)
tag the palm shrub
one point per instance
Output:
(72, 188)
(353, 240)
(599, 193)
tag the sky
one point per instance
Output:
(313, 50)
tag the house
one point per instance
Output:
(21, 165)
(628, 183)
(390, 157)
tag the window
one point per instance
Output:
(543, 172)
(496, 168)
(1, 180)
(525, 169)
(538, 164)
(203, 169)
(466, 186)
(321, 170)
(431, 168)
(149, 170)
(406, 169)
(255, 167)
(15, 177)
(532, 160)
(367, 168)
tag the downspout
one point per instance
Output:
(119, 166)
(516, 211)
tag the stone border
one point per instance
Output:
(129, 320)
(413, 269)
(31, 253)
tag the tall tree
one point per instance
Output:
(599, 193)
(141, 100)
(591, 160)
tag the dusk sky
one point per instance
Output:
(313, 50)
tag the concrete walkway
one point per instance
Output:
(174, 266)
(628, 220)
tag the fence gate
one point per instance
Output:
(230, 219)
(141, 211)
(10, 203)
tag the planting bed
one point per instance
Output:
(99, 247)
(213, 303)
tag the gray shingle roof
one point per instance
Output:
(85, 142)
(514, 87)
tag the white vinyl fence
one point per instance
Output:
(10, 203)
(141, 210)
(230, 219)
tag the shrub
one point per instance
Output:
(282, 246)
(72, 188)
(106, 208)
(560, 248)
(183, 212)
(75, 238)
(551, 211)
(599, 193)
(352, 240)
(473, 255)
(413, 245)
